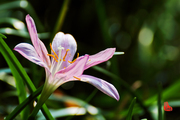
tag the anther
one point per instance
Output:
(53, 57)
(53, 51)
(77, 78)
(74, 59)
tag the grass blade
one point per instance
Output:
(61, 17)
(18, 80)
(159, 102)
(130, 112)
(16, 67)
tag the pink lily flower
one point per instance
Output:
(60, 66)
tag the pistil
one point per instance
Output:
(57, 65)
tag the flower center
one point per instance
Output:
(55, 56)
(58, 61)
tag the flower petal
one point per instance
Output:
(38, 45)
(33, 33)
(102, 85)
(28, 51)
(100, 57)
(66, 41)
(45, 57)
(75, 69)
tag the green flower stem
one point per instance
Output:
(46, 92)
(38, 106)
(35, 111)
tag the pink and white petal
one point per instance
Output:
(75, 69)
(66, 41)
(102, 85)
(45, 57)
(28, 51)
(34, 37)
(32, 32)
(100, 57)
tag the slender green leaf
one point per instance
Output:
(101, 14)
(169, 92)
(21, 33)
(159, 102)
(16, 23)
(19, 71)
(9, 94)
(61, 17)
(130, 112)
(5, 70)
(18, 79)
(107, 39)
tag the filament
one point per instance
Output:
(53, 51)
(65, 55)
(53, 57)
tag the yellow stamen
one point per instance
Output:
(65, 55)
(64, 67)
(77, 78)
(74, 59)
(53, 57)
(53, 51)
(77, 55)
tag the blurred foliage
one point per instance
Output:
(147, 31)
